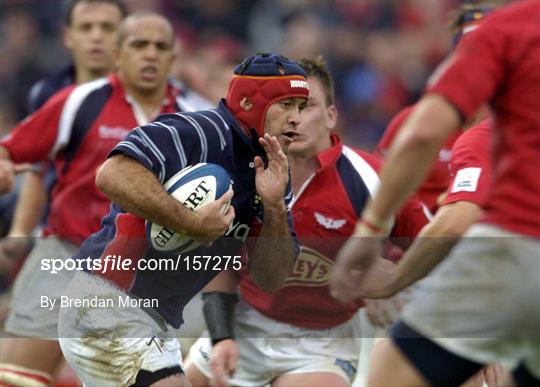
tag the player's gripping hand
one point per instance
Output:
(223, 362)
(353, 263)
(210, 221)
(7, 174)
(271, 182)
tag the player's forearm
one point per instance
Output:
(411, 156)
(435, 241)
(30, 206)
(135, 189)
(427, 251)
(273, 256)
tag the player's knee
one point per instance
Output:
(195, 375)
(13, 375)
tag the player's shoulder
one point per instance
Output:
(203, 126)
(519, 19)
(525, 9)
(58, 100)
(357, 156)
(392, 129)
(400, 118)
(71, 98)
(84, 89)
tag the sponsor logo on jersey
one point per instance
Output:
(466, 180)
(113, 132)
(310, 269)
(299, 84)
(329, 223)
(238, 231)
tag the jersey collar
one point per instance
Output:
(329, 157)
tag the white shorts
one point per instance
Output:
(108, 346)
(482, 302)
(27, 317)
(269, 348)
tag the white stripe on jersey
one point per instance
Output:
(362, 167)
(366, 172)
(202, 136)
(155, 150)
(221, 118)
(221, 138)
(136, 150)
(69, 112)
(177, 143)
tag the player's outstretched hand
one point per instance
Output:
(214, 219)
(353, 261)
(271, 182)
(223, 362)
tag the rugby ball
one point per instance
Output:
(194, 187)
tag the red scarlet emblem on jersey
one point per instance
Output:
(329, 223)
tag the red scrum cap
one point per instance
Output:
(263, 79)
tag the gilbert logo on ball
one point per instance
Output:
(194, 187)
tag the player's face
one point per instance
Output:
(92, 35)
(146, 54)
(282, 119)
(317, 119)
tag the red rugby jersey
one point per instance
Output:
(438, 178)
(470, 167)
(325, 212)
(77, 128)
(499, 63)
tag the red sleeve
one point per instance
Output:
(470, 168)
(470, 76)
(412, 217)
(391, 131)
(34, 138)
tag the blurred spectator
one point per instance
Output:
(379, 51)
(207, 68)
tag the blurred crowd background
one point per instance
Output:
(380, 51)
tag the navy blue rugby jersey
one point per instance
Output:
(166, 146)
(46, 87)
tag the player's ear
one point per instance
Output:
(66, 37)
(331, 117)
(176, 47)
(116, 56)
